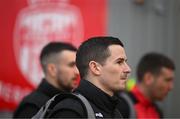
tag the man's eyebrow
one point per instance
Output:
(121, 59)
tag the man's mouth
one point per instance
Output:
(124, 78)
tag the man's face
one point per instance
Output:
(115, 69)
(67, 71)
(162, 84)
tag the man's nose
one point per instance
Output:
(171, 85)
(127, 68)
(76, 71)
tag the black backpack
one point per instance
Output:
(48, 107)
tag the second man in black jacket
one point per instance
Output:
(58, 63)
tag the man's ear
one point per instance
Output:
(148, 78)
(51, 68)
(95, 67)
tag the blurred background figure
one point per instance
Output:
(58, 63)
(155, 76)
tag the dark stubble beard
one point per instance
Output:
(65, 88)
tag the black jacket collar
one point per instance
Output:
(97, 96)
(47, 89)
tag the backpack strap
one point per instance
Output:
(90, 112)
(44, 110)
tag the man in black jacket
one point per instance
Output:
(58, 63)
(103, 68)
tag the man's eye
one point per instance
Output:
(72, 64)
(168, 79)
(120, 62)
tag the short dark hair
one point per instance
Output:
(51, 49)
(153, 63)
(96, 49)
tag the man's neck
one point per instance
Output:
(144, 91)
(52, 82)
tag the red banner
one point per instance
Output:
(28, 25)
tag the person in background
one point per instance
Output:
(155, 75)
(58, 64)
